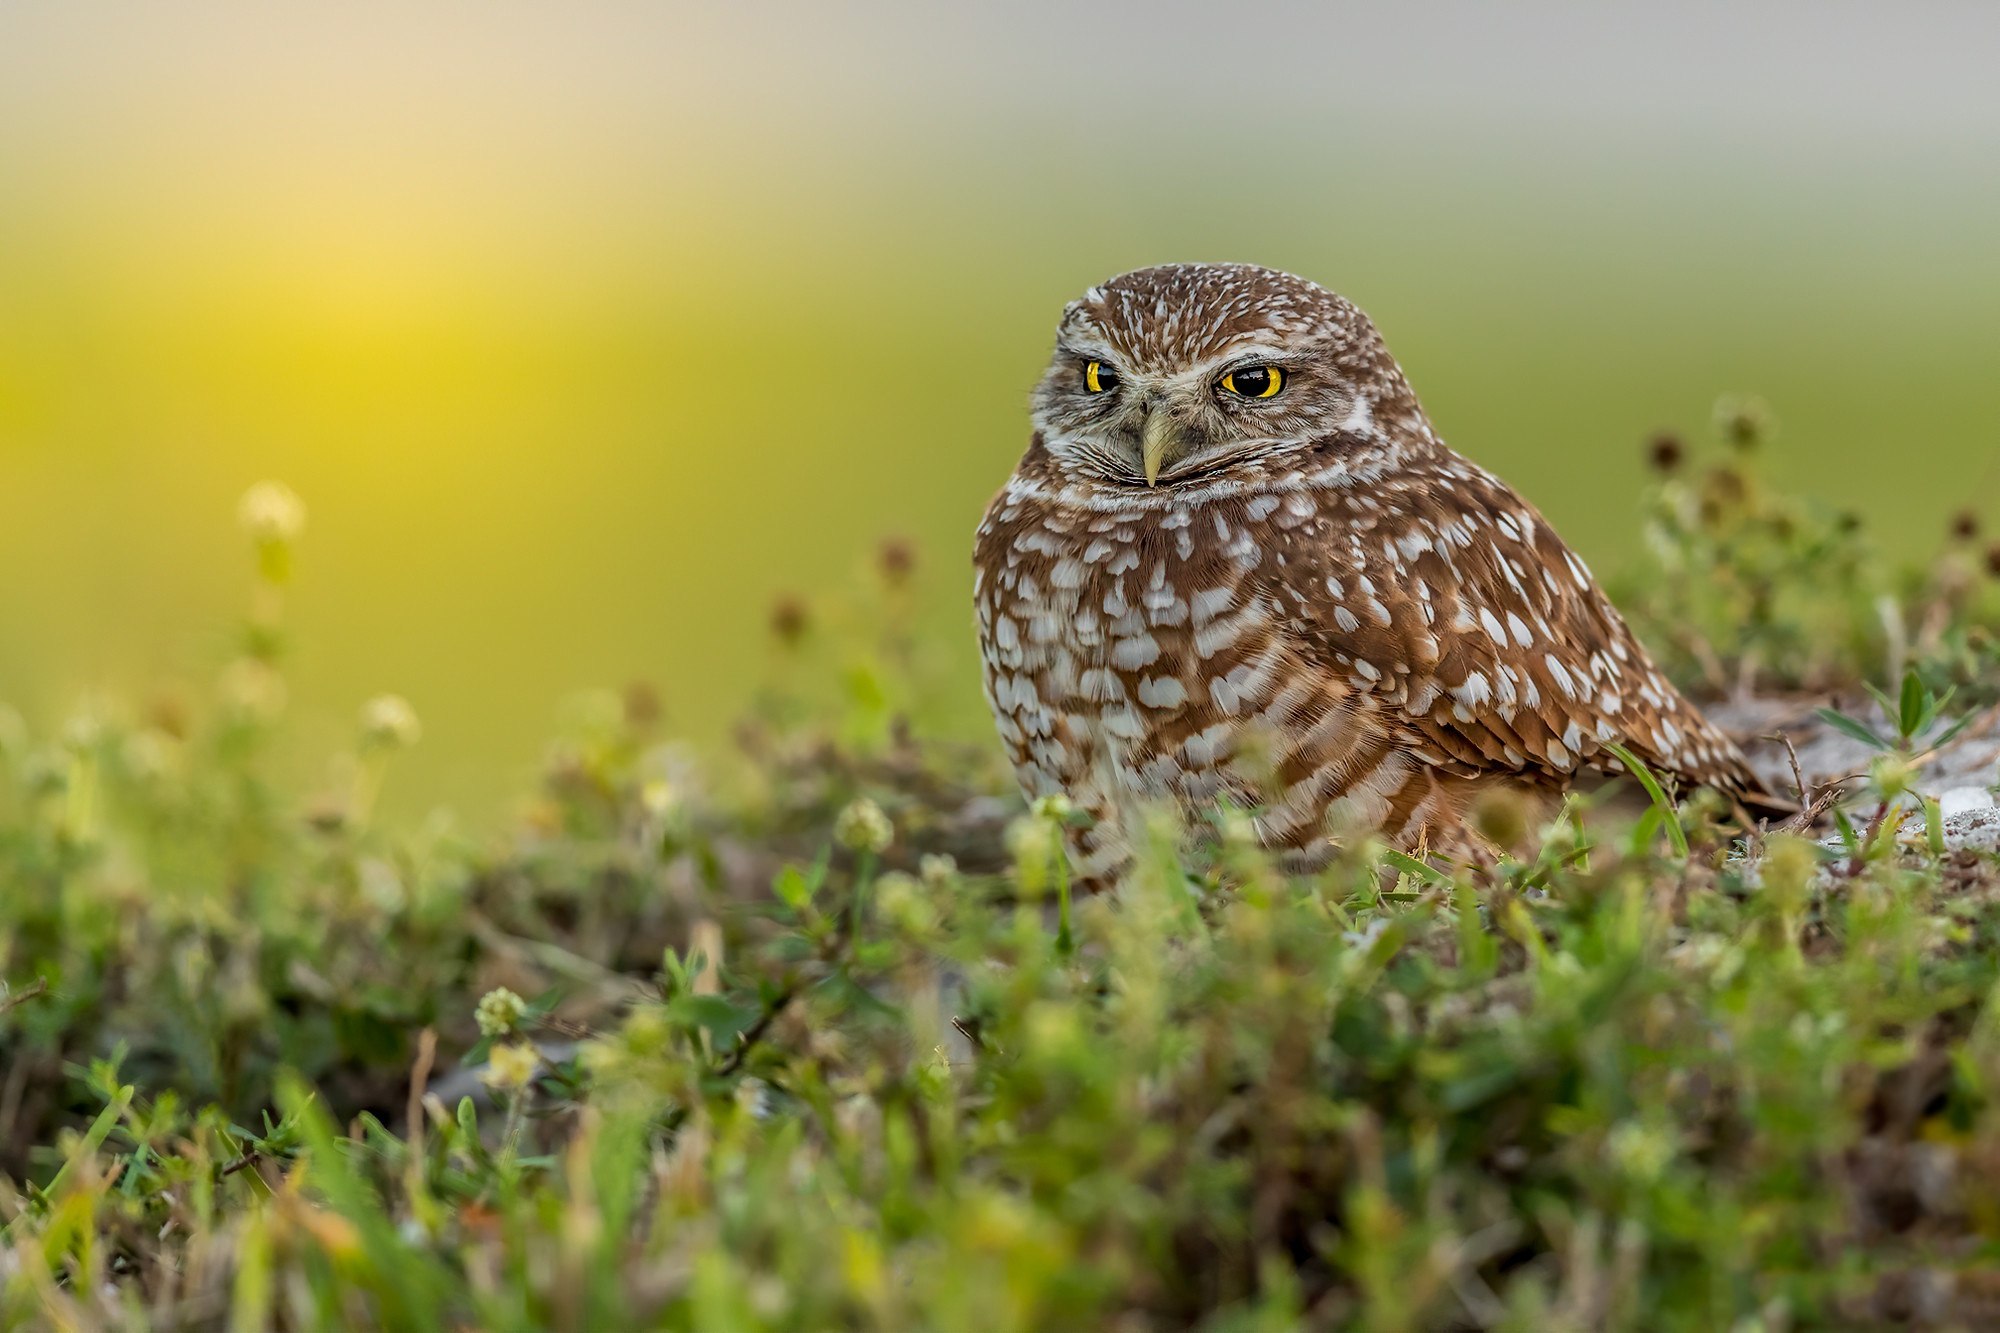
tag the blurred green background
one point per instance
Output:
(585, 333)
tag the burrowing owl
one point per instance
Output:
(1236, 561)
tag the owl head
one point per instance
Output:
(1189, 373)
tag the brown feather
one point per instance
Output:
(1320, 609)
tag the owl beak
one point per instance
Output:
(1162, 439)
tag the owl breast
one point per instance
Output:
(1136, 655)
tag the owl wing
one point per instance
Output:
(1484, 641)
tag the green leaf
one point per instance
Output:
(722, 1020)
(1410, 865)
(93, 1138)
(1846, 725)
(1934, 825)
(1939, 701)
(791, 887)
(1910, 712)
(1647, 828)
(1849, 837)
(1481, 1085)
(1669, 817)
(1951, 732)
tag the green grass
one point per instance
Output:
(803, 1048)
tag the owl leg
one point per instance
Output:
(1448, 829)
(1429, 819)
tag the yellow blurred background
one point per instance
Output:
(586, 331)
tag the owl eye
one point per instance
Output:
(1099, 378)
(1254, 382)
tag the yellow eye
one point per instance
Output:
(1254, 381)
(1099, 378)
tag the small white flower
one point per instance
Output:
(658, 798)
(500, 1012)
(149, 755)
(252, 690)
(1643, 1151)
(82, 732)
(901, 899)
(1034, 844)
(754, 1096)
(271, 513)
(863, 827)
(511, 1067)
(389, 723)
(1056, 809)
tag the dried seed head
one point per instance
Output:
(789, 619)
(898, 560)
(1724, 486)
(1666, 452)
(642, 705)
(1964, 525)
(167, 712)
(1745, 421)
